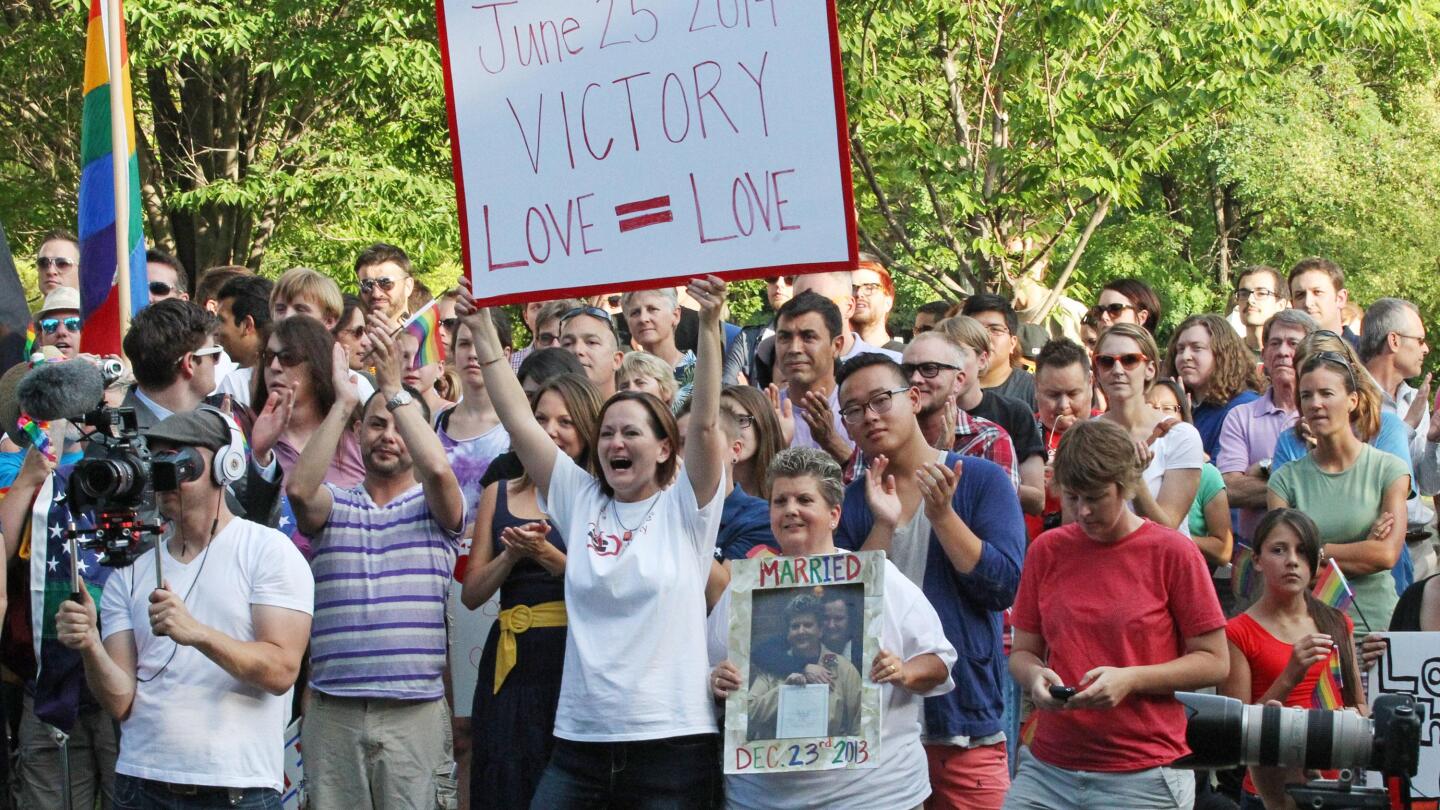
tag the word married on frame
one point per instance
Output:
(801, 632)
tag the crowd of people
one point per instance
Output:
(1079, 517)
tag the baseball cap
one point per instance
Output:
(202, 427)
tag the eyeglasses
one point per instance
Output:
(998, 329)
(355, 332)
(1417, 338)
(57, 262)
(927, 370)
(879, 405)
(289, 358)
(50, 325)
(868, 289)
(1114, 310)
(383, 282)
(161, 288)
(1129, 361)
(1261, 293)
(744, 420)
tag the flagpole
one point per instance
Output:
(119, 157)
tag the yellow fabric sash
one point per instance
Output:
(517, 620)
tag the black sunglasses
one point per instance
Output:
(289, 358)
(1114, 309)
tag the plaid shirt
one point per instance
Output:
(974, 436)
(978, 436)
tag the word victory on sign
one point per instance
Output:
(604, 145)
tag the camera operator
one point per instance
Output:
(198, 672)
(171, 346)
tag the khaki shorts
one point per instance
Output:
(368, 753)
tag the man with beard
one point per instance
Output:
(377, 720)
(936, 368)
(874, 298)
(1261, 293)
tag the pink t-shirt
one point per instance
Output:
(1128, 603)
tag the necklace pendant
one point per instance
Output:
(626, 537)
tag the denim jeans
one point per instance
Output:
(676, 773)
(142, 794)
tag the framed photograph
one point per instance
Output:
(803, 631)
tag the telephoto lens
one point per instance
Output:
(1223, 732)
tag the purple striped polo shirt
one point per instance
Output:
(381, 575)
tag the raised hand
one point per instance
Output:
(386, 355)
(528, 540)
(1418, 406)
(709, 293)
(937, 486)
(345, 393)
(880, 493)
(270, 425)
(784, 413)
(1311, 649)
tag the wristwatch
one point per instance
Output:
(401, 398)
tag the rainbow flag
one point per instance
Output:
(1332, 589)
(425, 326)
(1242, 571)
(99, 296)
(30, 338)
(1327, 690)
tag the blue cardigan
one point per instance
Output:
(969, 604)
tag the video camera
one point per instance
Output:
(1223, 732)
(116, 484)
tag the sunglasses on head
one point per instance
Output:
(51, 325)
(1129, 361)
(57, 262)
(594, 312)
(289, 358)
(383, 282)
(161, 288)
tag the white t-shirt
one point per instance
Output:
(237, 385)
(909, 627)
(194, 723)
(635, 652)
(1179, 449)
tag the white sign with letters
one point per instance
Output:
(603, 145)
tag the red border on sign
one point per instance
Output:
(847, 187)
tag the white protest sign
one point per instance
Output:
(1411, 666)
(607, 145)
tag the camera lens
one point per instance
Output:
(1223, 732)
(105, 478)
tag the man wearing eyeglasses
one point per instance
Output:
(839, 287)
(959, 513)
(1393, 347)
(1262, 292)
(1002, 375)
(58, 261)
(936, 368)
(166, 276)
(57, 323)
(386, 281)
(874, 298)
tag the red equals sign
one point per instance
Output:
(643, 213)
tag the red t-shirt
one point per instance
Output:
(1128, 603)
(1268, 656)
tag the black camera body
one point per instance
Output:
(116, 484)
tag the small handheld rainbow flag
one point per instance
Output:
(39, 433)
(425, 326)
(1332, 589)
(1327, 690)
(30, 337)
(1242, 573)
